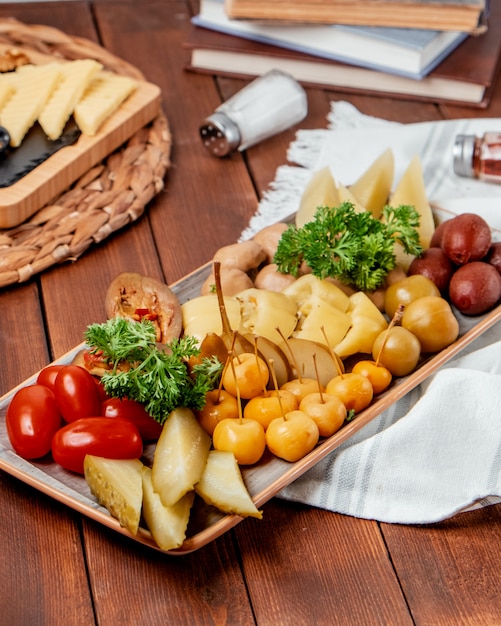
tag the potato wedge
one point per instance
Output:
(180, 456)
(222, 486)
(117, 485)
(167, 524)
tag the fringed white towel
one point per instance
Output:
(353, 141)
(437, 451)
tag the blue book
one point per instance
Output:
(412, 53)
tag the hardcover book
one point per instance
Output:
(407, 52)
(466, 77)
(465, 15)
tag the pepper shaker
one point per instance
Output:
(268, 105)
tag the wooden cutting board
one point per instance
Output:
(21, 200)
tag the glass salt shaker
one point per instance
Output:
(268, 105)
(478, 157)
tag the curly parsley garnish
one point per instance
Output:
(140, 370)
(350, 245)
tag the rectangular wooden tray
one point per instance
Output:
(21, 200)
(264, 480)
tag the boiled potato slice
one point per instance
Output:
(411, 190)
(263, 311)
(167, 524)
(222, 486)
(303, 353)
(202, 315)
(180, 456)
(117, 485)
(367, 322)
(373, 187)
(321, 190)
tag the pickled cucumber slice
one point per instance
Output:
(180, 456)
(222, 485)
(321, 190)
(117, 485)
(374, 185)
(167, 524)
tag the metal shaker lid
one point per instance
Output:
(219, 134)
(462, 152)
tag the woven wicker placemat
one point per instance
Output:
(108, 197)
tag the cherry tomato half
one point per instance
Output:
(110, 438)
(32, 419)
(47, 376)
(134, 411)
(77, 394)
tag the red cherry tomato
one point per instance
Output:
(32, 419)
(110, 438)
(134, 411)
(76, 393)
(47, 376)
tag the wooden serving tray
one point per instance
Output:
(43, 184)
(264, 480)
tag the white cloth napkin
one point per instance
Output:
(437, 451)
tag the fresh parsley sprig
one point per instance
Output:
(350, 245)
(140, 370)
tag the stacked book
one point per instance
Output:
(457, 64)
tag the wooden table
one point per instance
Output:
(298, 565)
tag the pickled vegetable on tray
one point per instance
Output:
(117, 485)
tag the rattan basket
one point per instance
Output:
(108, 197)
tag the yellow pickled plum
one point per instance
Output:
(292, 436)
(405, 291)
(378, 375)
(432, 321)
(400, 353)
(219, 405)
(327, 411)
(244, 437)
(247, 376)
(301, 387)
(266, 408)
(355, 390)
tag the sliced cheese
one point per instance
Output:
(6, 91)
(33, 86)
(101, 99)
(76, 77)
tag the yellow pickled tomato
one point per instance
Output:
(432, 321)
(292, 436)
(354, 390)
(246, 376)
(244, 437)
(266, 408)
(398, 350)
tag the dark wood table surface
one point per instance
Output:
(299, 565)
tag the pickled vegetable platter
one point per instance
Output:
(263, 480)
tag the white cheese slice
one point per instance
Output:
(102, 98)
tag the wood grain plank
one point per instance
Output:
(320, 568)
(185, 219)
(135, 585)
(450, 572)
(42, 570)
